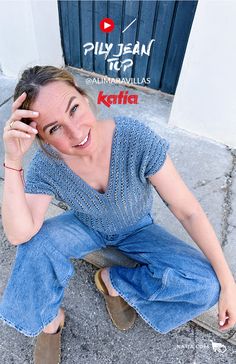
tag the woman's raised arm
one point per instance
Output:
(21, 219)
(182, 203)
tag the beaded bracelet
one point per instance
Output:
(18, 170)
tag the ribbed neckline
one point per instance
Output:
(111, 167)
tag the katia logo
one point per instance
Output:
(123, 97)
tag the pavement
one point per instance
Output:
(209, 170)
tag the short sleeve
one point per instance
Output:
(154, 153)
(37, 180)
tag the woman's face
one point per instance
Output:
(65, 119)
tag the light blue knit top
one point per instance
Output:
(137, 152)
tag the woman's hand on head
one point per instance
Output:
(18, 136)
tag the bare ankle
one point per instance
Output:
(106, 279)
(52, 328)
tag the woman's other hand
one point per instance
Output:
(227, 307)
(18, 136)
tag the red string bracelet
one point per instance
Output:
(18, 170)
(14, 169)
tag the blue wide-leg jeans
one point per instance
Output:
(172, 284)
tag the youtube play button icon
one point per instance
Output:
(107, 25)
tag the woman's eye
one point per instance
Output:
(74, 108)
(51, 131)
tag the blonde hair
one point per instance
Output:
(30, 82)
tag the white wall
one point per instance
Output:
(29, 35)
(205, 100)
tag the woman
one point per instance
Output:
(104, 171)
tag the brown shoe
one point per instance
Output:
(48, 347)
(122, 315)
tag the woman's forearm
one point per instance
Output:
(16, 216)
(202, 232)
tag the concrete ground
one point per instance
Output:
(208, 169)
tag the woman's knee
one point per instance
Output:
(57, 224)
(211, 289)
(51, 229)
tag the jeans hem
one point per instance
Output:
(20, 329)
(45, 323)
(129, 301)
(144, 317)
(23, 331)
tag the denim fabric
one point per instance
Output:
(172, 284)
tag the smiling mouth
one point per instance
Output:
(84, 142)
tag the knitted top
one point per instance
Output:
(137, 152)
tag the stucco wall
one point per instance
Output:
(205, 100)
(29, 35)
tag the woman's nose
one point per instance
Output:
(71, 129)
(72, 133)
